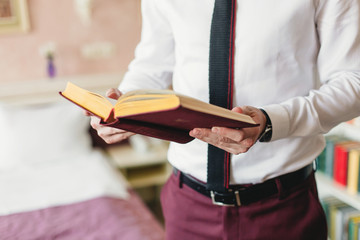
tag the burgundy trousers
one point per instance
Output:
(292, 214)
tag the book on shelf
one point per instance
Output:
(328, 154)
(339, 216)
(333, 209)
(162, 114)
(353, 171)
(321, 162)
(353, 228)
(326, 202)
(342, 215)
(341, 155)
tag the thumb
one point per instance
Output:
(238, 110)
(247, 110)
(113, 93)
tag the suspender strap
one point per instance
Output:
(221, 72)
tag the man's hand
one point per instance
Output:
(232, 140)
(109, 134)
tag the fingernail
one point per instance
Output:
(215, 130)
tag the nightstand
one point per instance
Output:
(141, 169)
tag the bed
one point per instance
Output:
(53, 183)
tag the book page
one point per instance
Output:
(92, 102)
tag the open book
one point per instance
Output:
(162, 114)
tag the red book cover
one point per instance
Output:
(341, 153)
(340, 164)
(173, 125)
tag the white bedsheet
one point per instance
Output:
(72, 180)
(46, 159)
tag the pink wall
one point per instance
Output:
(116, 21)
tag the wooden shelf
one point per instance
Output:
(327, 187)
(346, 130)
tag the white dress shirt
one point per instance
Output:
(299, 60)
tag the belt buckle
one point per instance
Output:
(213, 195)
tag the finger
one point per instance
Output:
(104, 131)
(221, 142)
(87, 113)
(117, 137)
(113, 93)
(235, 149)
(94, 122)
(234, 134)
(253, 112)
(240, 136)
(112, 135)
(207, 136)
(237, 109)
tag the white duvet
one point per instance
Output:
(46, 159)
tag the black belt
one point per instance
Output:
(238, 195)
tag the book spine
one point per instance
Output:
(340, 165)
(329, 155)
(353, 171)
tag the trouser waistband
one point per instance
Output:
(239, 195)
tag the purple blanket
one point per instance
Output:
(103, 218)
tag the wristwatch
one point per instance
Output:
(266, 135)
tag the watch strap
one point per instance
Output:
(266, 135)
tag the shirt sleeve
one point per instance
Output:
(153, 64)
(338, 66)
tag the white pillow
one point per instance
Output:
(42, 134)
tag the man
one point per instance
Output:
(296, 73)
